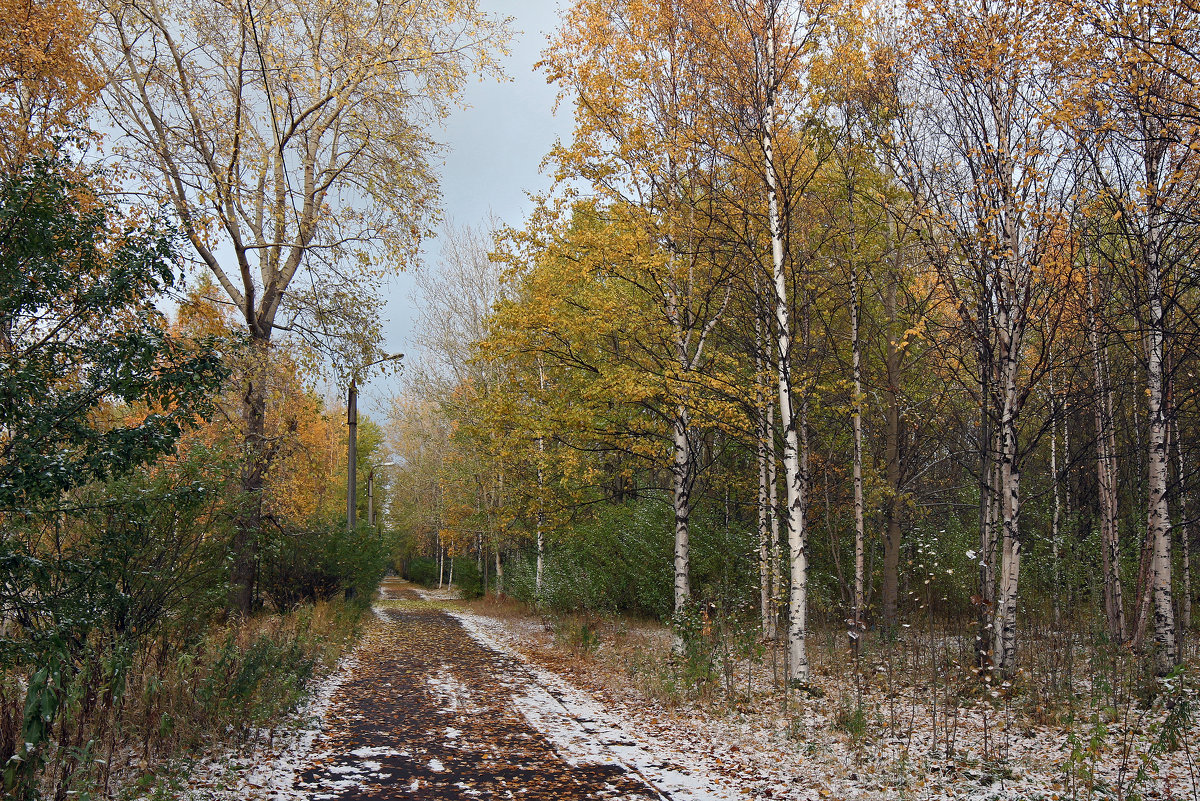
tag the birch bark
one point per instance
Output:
(1106, 471)
(856, 424)
(798, 670)
(1158, 522)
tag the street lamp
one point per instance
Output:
(352, 446)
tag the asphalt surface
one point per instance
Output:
(429, 713)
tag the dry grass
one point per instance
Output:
(122, 724)
(908, 715)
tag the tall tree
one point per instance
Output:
(986, 160)
(641, 103)
(758, 54)
(289, 138)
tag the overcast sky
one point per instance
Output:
(493, 151)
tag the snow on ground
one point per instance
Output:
(995, 754)
(586, 732)
(267, 769)
(914, 747)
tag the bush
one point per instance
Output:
(422, 570)
(467, 578)
(320, 562)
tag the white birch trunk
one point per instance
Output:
(798, 670)
(1158, 521)
(986, 605)
(681, 476)
(1106, 474)
(499, 572)
(856, 419)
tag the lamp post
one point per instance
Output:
(352, 444)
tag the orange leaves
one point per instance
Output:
(46, 81)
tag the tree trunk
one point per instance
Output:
(798, 670)
(682, 475)
(1004, 629)
(499, 571)
(248, 522)
(1106, 473)
(1158, 521)
(856, 420)
(986, 601)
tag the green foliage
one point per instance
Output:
(621, 561)
(322, 561)
(467, 578)
(259, 681)
(135, 555)
(852, 720)
(423, 570)
(80, 333)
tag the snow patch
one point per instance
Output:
(275, 763)
(451, 694)
(583, 732)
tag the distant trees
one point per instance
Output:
(942, 235)
(289, 139)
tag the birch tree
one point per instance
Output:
(640, 120)
(1140, 137)
(985, 158)
(289, 137)
(759, 52)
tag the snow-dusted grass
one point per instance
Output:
(909, 719)
(266, 768)
(238, 749)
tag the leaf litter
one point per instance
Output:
(429, 706)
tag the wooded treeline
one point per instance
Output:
(197, 204)
(841, 310)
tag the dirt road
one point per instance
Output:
(430, 711)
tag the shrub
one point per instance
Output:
(467, 578)
(422, 570)
(322, 561)
(623, 562)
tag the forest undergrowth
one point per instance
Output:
(907, 714)
(135, 720)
